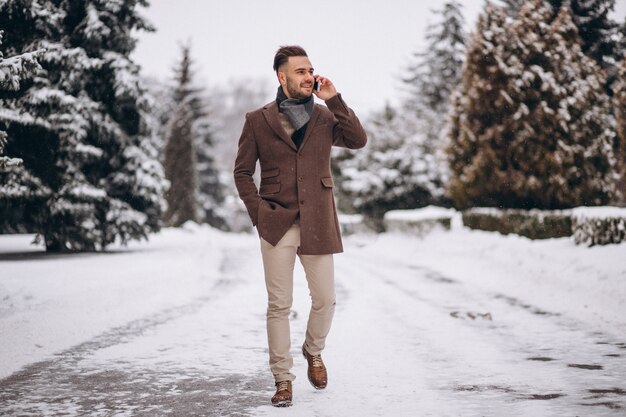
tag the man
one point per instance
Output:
(294, 208)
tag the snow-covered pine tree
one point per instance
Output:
(436, 70)
(407, 144)
(619, 103)
(179, 157)
(210, 188)
(12, 71)
(433, 77)
(584, 137)
(512, 6)
(17, 185)
(79, 126)
(547, 142)
(396, 171)
(180, 168)
(530, 175)
(598, 32)
(477, 113)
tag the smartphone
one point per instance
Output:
(317, 86)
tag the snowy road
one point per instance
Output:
(456, 324)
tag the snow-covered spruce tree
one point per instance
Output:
(198, 194)
(406, 155)
(79, 126)
(397, 171)
(180, 168)
(19, 190)
(585, 133)
(512, 6)
(547, 142)
(598, 32)
(433, 77)
(477, 113)
(529, 171)
(12, 71)
(619, 102)
(210, 186)
(436, 70)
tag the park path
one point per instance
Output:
(407, 340)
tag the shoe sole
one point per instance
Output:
(282, 404)
(316, 387)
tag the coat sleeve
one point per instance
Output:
(245, 165)
(347, 132)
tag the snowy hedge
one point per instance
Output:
(588, 225)
(418, 221)
(599, 225)
(534, 224)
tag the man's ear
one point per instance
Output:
(282, 79)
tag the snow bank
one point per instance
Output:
(426, 213)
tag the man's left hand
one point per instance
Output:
(327, 89)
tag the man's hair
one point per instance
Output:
(284, 52)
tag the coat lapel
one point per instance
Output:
(310, 126)
(271, 115)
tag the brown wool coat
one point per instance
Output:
(295, 180)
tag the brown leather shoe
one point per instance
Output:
(317, 371)
(283, 395)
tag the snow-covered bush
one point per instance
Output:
(419, 221)
(534, 224)
(599, 225)
(588, 225)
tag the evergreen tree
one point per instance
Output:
(512, 7)
(531, 126)
(16, 183)
(12, 71)
(397, 171)
(210, 186)
(407, 143)
(619, 102)
(585, 131)
(209, 194)
(437, 70)
(599, 33)
(478, 111)
(79, 126)
(180, 168)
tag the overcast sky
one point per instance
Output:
(361, 45)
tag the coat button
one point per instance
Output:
(301, 201)
(300, 179)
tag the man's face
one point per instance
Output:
(296, 77)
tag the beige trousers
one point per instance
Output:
(278, 264)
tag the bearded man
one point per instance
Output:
(294, 208)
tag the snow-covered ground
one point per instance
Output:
(454, 323)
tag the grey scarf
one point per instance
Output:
(298, 111)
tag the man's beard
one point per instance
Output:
(294, 91)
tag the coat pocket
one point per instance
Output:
(269, 188)
(327, 182)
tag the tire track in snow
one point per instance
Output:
(518, 334)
